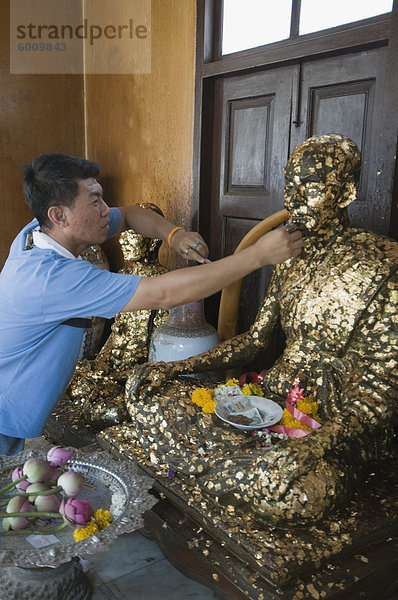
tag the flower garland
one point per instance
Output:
(204, 398)
(101, 519)
(305, 405)
(300, 417)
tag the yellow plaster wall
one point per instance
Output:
(38, 113)
(140, 127)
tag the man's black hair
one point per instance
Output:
(52, 180)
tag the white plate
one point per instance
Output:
(273, 410)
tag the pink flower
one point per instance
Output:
(17, 474)
(75, 513)
(58, 456)
(71, 482)
(296, 392)
(36, 469)
(15, 505)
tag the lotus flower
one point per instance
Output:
(17, 504)
(49, 503)
(71, 482)
(17, 474)
(75, 513)
(58, 456)
(37, 470)
(35, 487)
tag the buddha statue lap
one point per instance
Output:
(337, 304)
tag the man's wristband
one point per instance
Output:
(172, 232)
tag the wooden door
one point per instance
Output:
(260, 118)
(346, 95)
(250, 149)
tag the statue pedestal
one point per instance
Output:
(352, 555)
(369, 575)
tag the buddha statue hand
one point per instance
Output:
(145, 378)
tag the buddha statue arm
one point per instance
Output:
(236, 352)
(371, 390)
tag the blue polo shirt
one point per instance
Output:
(39, 291)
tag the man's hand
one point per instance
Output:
(278, 245)
(190, 245)
(148, 223)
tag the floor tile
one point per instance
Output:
(160, 578)
(131, 552)
(104, 592)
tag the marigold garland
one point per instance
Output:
(85, 532)
(231, 381)
(100, 520)
(308, 407)
(251, 389)
(103, 518)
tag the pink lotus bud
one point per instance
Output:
(75, 513)
(58, 456)
(17, 504)
(36, 487)
(50, 503)
(36, 469)
(71, 482)
(17, 474)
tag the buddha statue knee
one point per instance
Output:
(336, 303)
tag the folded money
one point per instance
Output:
(241, 410)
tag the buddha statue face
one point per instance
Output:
(321, 176)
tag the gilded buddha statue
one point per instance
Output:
(337, 305)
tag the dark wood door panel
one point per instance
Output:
(345, 94)
(247, 168)
(250, 148)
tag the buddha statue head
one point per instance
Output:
(321, 176)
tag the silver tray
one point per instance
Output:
(103, 477)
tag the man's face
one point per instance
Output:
(88, 221)
(312, 205)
